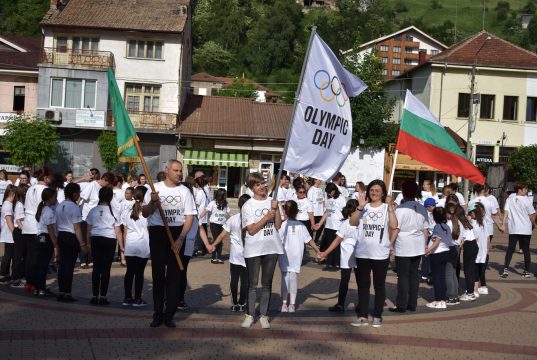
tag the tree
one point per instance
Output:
(29, 140)
(532, 30)
(22, 16)
(523, 162)
(212, 58)
(108, 149)
(239, 88)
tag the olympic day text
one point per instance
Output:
(329, 124)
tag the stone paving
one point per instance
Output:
(500, 325)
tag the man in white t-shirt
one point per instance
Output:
(519, 215)
(339, 180)
(179, 209)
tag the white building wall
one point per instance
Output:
(363, 165)
(530, 130)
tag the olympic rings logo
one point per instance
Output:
(374, 216)
(330, 88)
(261, 212)
(170, 200)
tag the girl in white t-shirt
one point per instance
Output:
(124, 208)
(219, 213)
(305, 208)
(21, 245)
(6, 233)
(318, 199)
(104, 230)
(135, 245)
(457, 235)
(469, 253)
(294, 235)
(4, 182)
(237, 265)
(476, 211)
(46, 238)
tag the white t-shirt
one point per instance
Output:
(60, 195)
(176, 202)
(426, 195)
(491, 208)
(265, 241)
(48, 217)
(482, 237)
(349, 235)
(3, 186)
(102, 222)
(202, 200)
(294, 235)
(343, 191)
(457, 241)
(469, 235)
(333, 208)
(443, 232)
(6, 236)
(33, 198)
(33, 181)
(462, 202)
(217, 216)
(283, 194)
(441, 202)
(373, 222)
(410, 240)
(137, 239)
(317, 197)
(89, 197)
(305, 207)
(19, 212)
(519, 210)
(67, 214)
(126, 206)
(236, 251)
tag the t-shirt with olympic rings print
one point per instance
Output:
(370, 245)
(176, 202)
(333, 208)
(305, 207)
(265, 241)
(317, 196)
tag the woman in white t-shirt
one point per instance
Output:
(294, 235)
(237, 265)
(21, 246)
(376, 216)
(429, 191)
(135, 245)
(317, 197)
(46, 238)
(103, 230)
(332, 219)
(4, 182)
(305, 208)
(202, 200)
(262, 245)
(476, 211)
(346, 238)
(6, 234)
(219, 214)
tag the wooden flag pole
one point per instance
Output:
(159, 206)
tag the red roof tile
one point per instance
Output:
(234, 117)
(204, 77)
(16, 60)
(28, 43)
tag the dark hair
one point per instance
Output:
(161, 176)
(109, 177)
(285, 176)
(382, 186)
(10, 190)
(142, 187)
(299, 186)
(220, 198)
(479, 213)
(139, 176)
(291, 209)
(70, 190)
(57, 181)
(201, 181)
(451, 210)
(478, 188)
(461, 215)
(21, 192)
(361, 185)
(332, 187)
(410, 190)
(453, 199)
(310, 181)
(3, 171)
(131, 189)
(46, 195)
(440, 215)
(338, 176)
(298, 182)
(120, 179)
(242, 200)
(106, 194)
(96, 173)
(139, 194)
(41, 173)
(519, 185)
(25, 172)
(454, 186)
(349, 208)
(68, 172)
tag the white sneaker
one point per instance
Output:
(264, 321)
(476, 294)
(467, 297)
(483, 290)
(291, 308)
(437, 305)
(248, 321)
(285, 308)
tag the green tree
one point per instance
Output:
(29, 140)
(212, 58)
(22, 16)
(108, 149)
(523, 162)
(239, 88)
(532, 30)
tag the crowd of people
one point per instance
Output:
(49, 219)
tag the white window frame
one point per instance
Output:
(82, 93)
(161, 58)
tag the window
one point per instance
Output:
(19, 93)
(141, 97)
(463, 108)
(144, 49)
(396, 60)
(398, 37)
(61, 44)
(73, 93)
(84, 44)
(487, 107)
(484, 154)
(396, 49)
(531, 110)
(384, 72)
(409, 38)
(409, 49)
(435, 52)
(396, 72)
(409, 62)
(384, 60)
(384, 48)
(510, 107)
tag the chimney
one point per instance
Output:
(422, 56)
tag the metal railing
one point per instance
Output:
(149, 120)
(77, 58)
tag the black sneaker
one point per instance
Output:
(127, 302)
(103, 301)
(397, 310)
(505, 273)
(526, 274)
(234, 308)
(182, 306)
(242, 307)
(5, 280)
(68, 299)
(156, 323)
(452, 302)
(94, 301)
(214, 261)
(336, 308)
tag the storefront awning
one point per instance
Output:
(215, 158)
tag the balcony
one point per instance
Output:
(77, 58)
(149, 120)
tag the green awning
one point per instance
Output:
(215, 158)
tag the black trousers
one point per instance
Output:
(44, 250)
(19, 255)
(216, 229)
(344, 284)
(238, 272)
(135, 273)
(470, 250)
(438, 268)
(333, 259)
(320, 231)
(68, 250)
(379, 269)
(408, 283)
(307, 224)
(480, 269)
(102, 251)
(7, 259)
(31, 256)
(524, 244)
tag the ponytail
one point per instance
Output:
(39, 210)
(46, 195)
(138, 198)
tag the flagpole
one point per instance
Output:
(286, 147)
(390, 184)
(159, 206)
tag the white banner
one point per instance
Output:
(321, 133)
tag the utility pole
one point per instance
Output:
(471, 128)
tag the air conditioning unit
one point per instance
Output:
(53, 115)
(184, 143)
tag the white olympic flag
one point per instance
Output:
(321, 134)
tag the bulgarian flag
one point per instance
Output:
(125, 133)
(422, 137)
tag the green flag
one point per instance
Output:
(125, 133)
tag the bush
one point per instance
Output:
(400, 7)
(523, 162)
(435, 4)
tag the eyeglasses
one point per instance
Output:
(300, 192)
